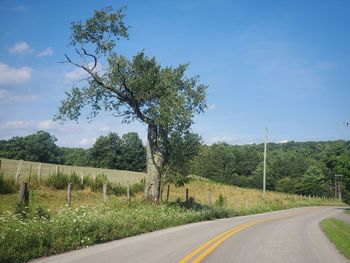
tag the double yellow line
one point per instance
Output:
(213, 243)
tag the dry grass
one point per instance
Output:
(241, 198)
(9, 167)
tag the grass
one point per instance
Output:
(9, 168)
(72, 228)
(338, 232)
(49, 227)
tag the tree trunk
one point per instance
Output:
(156, 152)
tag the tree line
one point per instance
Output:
(110, 151)
(307, 168)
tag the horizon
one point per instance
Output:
(278, 65)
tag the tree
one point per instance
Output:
(38, 147)
(107, 152)
(74, 156)
(133, 152)
(182, 150)
(312, 182)
(162, 98)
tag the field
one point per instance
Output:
(338, 232)
(9, 167)
(48, 226)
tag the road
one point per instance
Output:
(291, 235)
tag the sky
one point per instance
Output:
(284, 65)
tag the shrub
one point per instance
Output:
(97, 184)
(138, 187)
(57, 181)
(220, 201)
(60, 181)
(7, 185)
(118, 189)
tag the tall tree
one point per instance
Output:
(138, 89)
(107, 152)
(134, 153)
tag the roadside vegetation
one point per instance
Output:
(49, 226)
(338, 232)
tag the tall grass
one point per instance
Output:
(22, 239)
(7, 185)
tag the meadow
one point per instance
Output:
(49, 226)
(9, 168)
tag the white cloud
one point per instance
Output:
(46, 124)
(17, 124)
(80, 74)
(46, 52)
(87, 141)
(104, 129)
(20, 48)
(284, 141)
(14, 76)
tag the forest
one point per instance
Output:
(307, 168)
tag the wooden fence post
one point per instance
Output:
(23, 194)
(30, 173)
(186, 195)
(94, 177)
(19, 170)
(82, 178)
(128, 192)
(57, 169)
(167, 193)
(105, 196)
(209, 198)
(40, 169)
(69, 195)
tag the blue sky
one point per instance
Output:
(277, 64)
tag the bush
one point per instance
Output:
(118, 189)
(60, 181)
(97, 184)
(220, 201)
(7, 185)
(57, 181)
(138, 187)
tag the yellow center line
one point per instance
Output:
(194, 252)
(216, 241)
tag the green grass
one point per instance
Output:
(9, 168)
(49, 227)
(35, 233)
(338, 232)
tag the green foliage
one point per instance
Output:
(220, 202)
(74, 156)
(60, 181)
(7, 185)
(312, 182)
(106, 152)
(112, 152)
(37, 147)
(24, 239)
(288, 167)
(134, 153)
(286, 184)
(100, 29)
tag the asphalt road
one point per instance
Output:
(285, 236)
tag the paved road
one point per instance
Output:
(285, 236)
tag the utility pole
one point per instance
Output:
(338, 186)
(264, 175)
